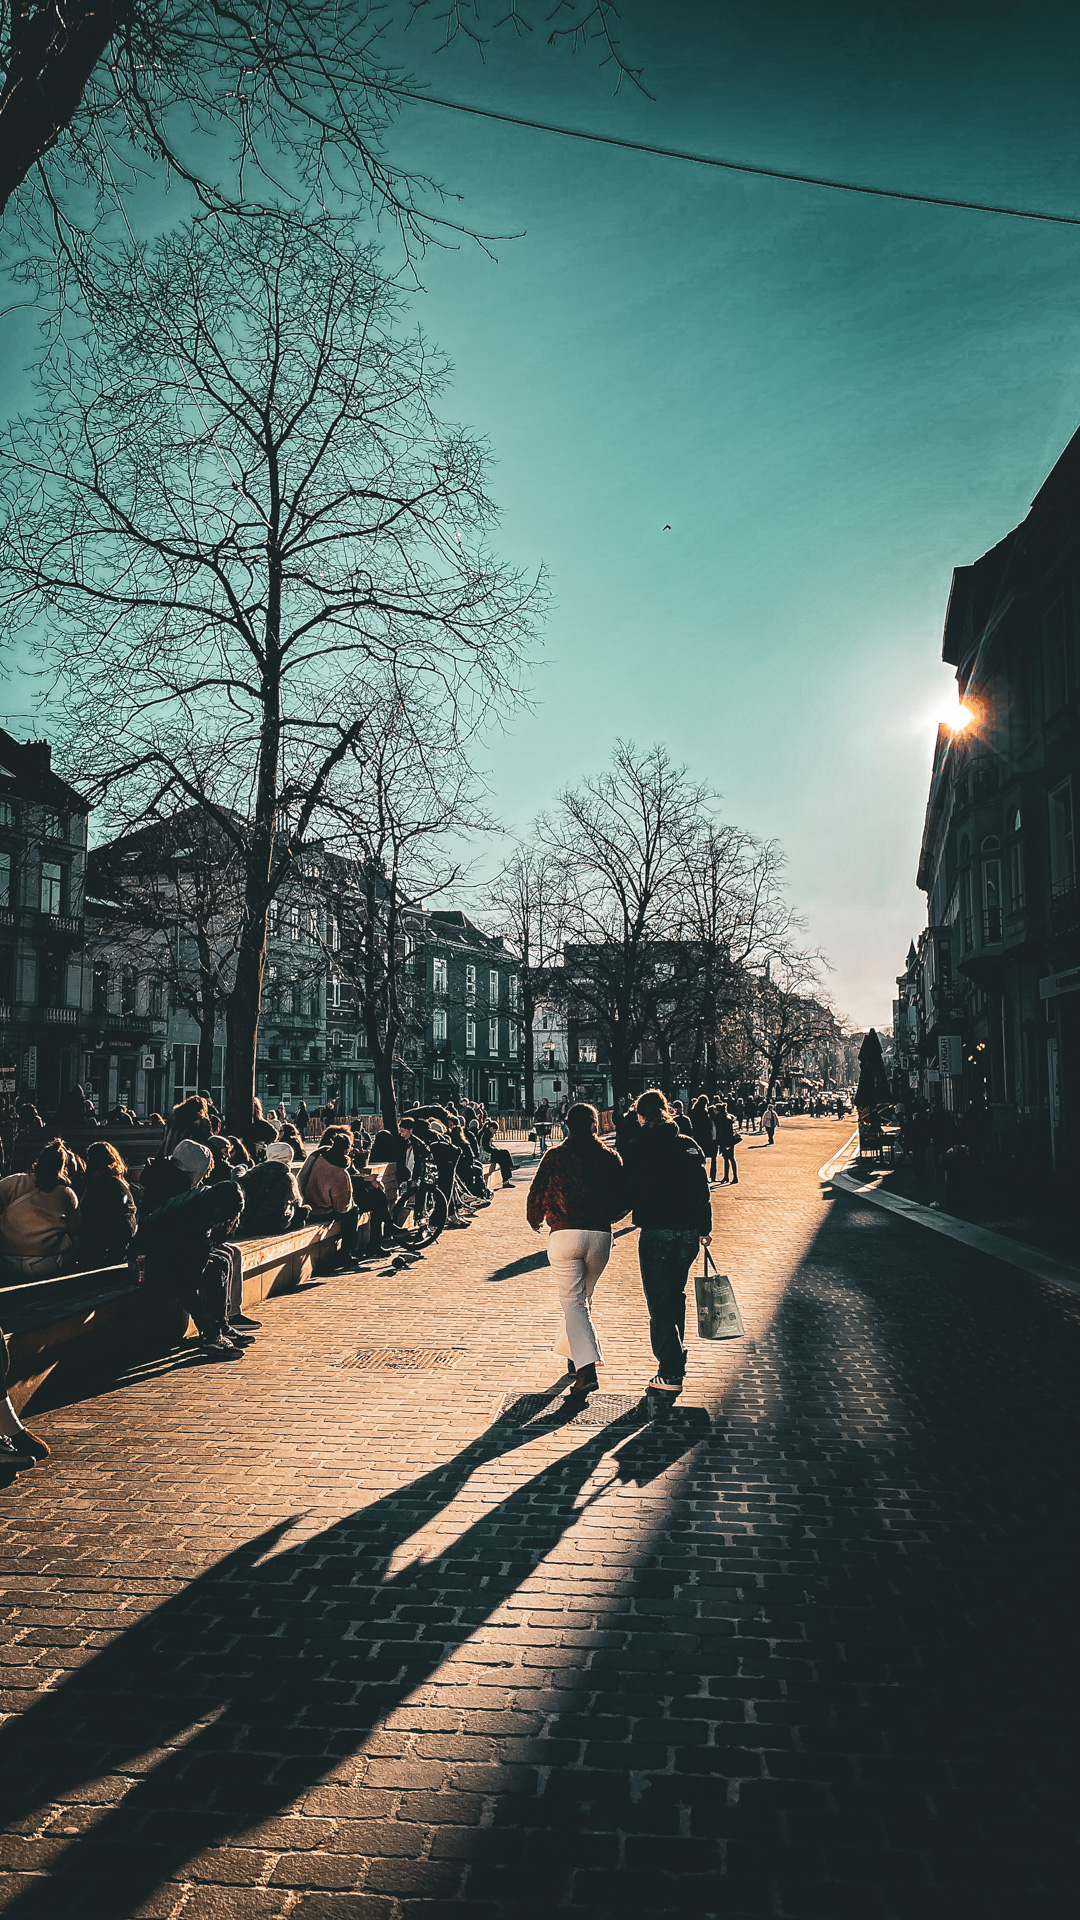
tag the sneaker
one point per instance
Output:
(245, 1323)
(30, 1442)
(665, 1386)
(237, 1339)
(14, 1454)
(220, 1349)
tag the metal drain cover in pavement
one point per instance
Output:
(540, 1409)
(401, 1359)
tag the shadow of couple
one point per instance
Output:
(272, 1667)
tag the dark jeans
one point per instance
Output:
(371, 1199)
(731, 1171)
(203, 1295)
(348, 1223)
(665, 1256)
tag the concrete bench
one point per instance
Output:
(88, 1323)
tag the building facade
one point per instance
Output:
(44, 1004)
(991, 992)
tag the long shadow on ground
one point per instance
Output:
(297, 1657)
(843, 1682)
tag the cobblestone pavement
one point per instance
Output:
(293, 1638)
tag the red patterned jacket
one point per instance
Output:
(576, 1187)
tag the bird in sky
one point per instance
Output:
(667, 529)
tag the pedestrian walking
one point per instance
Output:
(669, 1188)
(770, 1120)
(579, 1190)
(704, 1131)
(727, 1139)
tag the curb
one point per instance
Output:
(1013, 1253)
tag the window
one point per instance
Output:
(470, 983)
(1062, 839)
(54, 826)
(52, 887)
(7, 976)
(52, 980)
(586, 1053)
(514, 990)
(991, 898)
(470, 1034)
(128, 991)
(512, 1039)
(1016, 876)
(333, 990)
(493, 1036)
(156, 1000)
(493, 1094)
(7, 813)
(297, 998)
(5, 879)
(333, 933)
(438, 976)
(493, 987)
(1055, 680)
(99, 990)
(436, 1070)
(438, 1026)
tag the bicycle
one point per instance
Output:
(425, 1204)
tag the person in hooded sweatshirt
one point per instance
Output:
(272, 1202)
(669, 1186)
(180, 1246)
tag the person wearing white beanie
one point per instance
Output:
(272, 1202)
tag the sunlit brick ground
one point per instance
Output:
(289, 1639)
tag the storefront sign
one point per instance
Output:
(950, 1056)
(1058, 983)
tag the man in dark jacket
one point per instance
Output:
(669, 1183)
(272, 1202)
(180, 1245)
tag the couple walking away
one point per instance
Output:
(582, 1187)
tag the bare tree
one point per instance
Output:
(410, 792)
(617, 840)
(234, 515)
(787, 1018)
(528, 898)
(735, 916)
(300, 90)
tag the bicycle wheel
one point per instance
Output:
(425, 1212)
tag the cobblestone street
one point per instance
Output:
(300, 1638)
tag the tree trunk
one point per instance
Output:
(384, 1079)
(207, 1010)
(528, 1064)
(242, 1030)
(53, 53)
(207, 1031)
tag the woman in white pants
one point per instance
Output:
(579, 1189)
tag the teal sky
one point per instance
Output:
(832, 400)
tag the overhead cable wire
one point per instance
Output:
(737, 166)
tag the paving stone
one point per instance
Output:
(298, 1641)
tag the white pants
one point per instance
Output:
(577, 1257)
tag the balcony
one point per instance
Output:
(7, 916)
(60, 1016)
(67, 924)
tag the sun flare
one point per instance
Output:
(954, 715)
